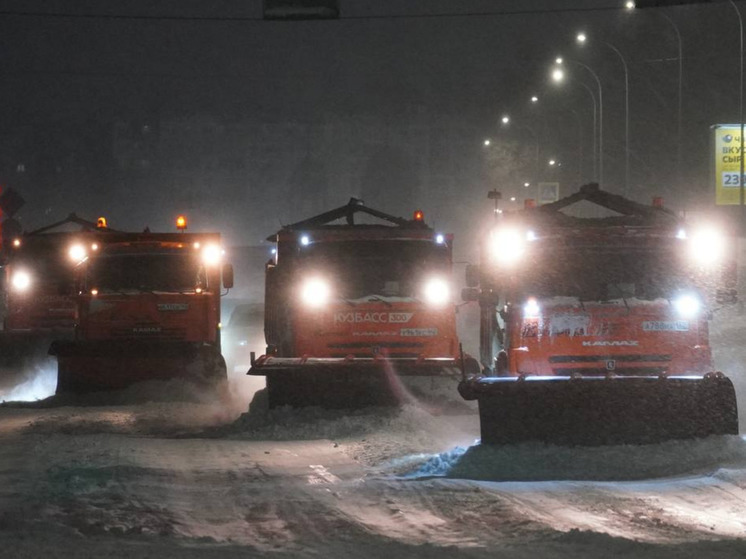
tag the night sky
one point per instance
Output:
(245, 124)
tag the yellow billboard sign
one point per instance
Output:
(727, 149)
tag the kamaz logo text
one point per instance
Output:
(373, 317)
(616, 343)
(146, 329)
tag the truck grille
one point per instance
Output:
(626, 358)
(601, 371)
(163, 333)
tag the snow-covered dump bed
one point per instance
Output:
(199, 479)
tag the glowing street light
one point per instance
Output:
(505, 119)
(630, 5)
(581, 39)
(558, 60)
(552, 162)
(526, 184)
(487, 142)
(534, 99)
(558, 75)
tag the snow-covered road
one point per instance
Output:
(175, 479)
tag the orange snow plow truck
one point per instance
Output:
(594, 331)
(148, 308)
(39, 297)
(358, 313)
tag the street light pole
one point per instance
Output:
(600, 119)
(679, 120)
(679, 159)
(581, 38)
(595, 139)
(626, 116)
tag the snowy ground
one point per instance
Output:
(199, 479)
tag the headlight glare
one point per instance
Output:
(212, 255)
(507, 245)
(687, 305)
(436, 292)
(21, 280)
(531, 309)
(315, 292)
(707, 246)
(77, 253)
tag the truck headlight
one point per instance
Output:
(687, 305)
(21, 281)
(77, 253)
(212, 255)
(507, 245)
(707, 246)
(436, 292)
(315, 292)
(531, 309)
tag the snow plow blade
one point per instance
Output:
(595, 411)
(354, 382)
(100, 366)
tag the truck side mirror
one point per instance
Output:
(227, 276)
(472, 275)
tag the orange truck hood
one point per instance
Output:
(625, 337)
(187, 317)
(398, 327)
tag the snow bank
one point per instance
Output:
(39, 384)
(534, 462)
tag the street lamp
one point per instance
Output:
(506, 120)
(630, 5)
(558, 76)
(534, 99)
(487, 142)
(581, 39)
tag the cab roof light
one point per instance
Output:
(101, 223)
(419, 215)
(181, 223)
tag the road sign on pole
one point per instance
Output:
(548, 192)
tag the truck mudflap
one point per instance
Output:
(356, 382)
(87, 366)
(602, 410)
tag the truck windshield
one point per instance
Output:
(175, 272)
(391, 268)
(601, 276)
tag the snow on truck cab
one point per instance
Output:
(352, 310)
(148, 308)
(595, 330)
